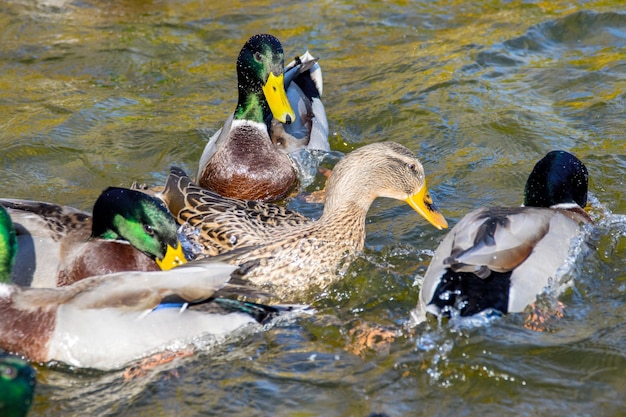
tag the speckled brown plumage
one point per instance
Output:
(290, 259)
(224, 223)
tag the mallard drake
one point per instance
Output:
(242, 160)
(81, 324)
(501, 258)
(17, 386)
(288, 259)
(59, 245)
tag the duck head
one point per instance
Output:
(385, 169)
(17, 386)
(140, 219)
(559, 178)
(260, 76)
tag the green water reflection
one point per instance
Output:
(99, 93)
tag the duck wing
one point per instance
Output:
(500, 258)
(223, 223)
(304, 86)
(213, 144)
(47, 220)
(45, 233)
(134, 291)
(496, 239)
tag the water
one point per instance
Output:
(105, 93)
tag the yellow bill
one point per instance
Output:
(423, 203)
(276, 96)
(173, 257)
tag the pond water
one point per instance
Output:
(99, 93)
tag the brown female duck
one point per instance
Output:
(285, 253)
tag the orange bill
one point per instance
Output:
(423, 203)
(276, 96)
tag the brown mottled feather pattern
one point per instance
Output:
(56, 221)
(293, 254)
(303, 258)
(224, 223)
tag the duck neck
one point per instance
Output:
(252, 106)
(346, 226)
(347, 193)
(345, 212)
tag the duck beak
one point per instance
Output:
(423, 203)
(276, 96)
(173, 257)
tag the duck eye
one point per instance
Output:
(412, 167)
(9, 373)
(257, 56)
(148, 229)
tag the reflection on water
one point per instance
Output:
(106, 93)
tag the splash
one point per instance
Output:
(307, 163)
(189, 238)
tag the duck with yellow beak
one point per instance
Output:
(58, 245)
(241, 160)
(286, 254)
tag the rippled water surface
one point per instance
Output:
(98, 93)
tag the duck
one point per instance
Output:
(499, 259)
(58, 245)
(248, 157)
(288, 255)
(81, 324)
(17, 386)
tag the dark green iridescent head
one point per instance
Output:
(261, 55)
(17, 386)
(8, 246)
(559, 178)
(136, 217)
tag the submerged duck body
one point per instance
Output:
(58, 245)
(502, 258)
(81, 324)
(289, 259)
(243, 159)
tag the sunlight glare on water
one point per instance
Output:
(98, 94)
